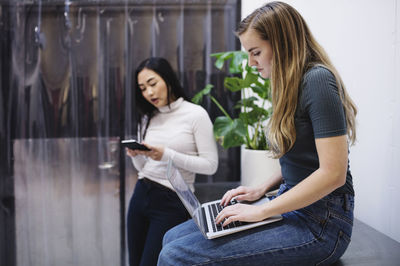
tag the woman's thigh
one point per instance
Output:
(185, 245)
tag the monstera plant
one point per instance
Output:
(255, 104)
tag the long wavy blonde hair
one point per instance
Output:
(294, 51)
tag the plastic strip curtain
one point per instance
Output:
(66, 100)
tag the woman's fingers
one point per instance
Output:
(224, 198)
(249, 194)
(131, 153)
(228, 196)
(241, 190)
(155, 153)
(229, 220)
(228, 215)
(224, 214)
(239, 212)
(242, 197)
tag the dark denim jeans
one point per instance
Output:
(315, 235)
(153, 210)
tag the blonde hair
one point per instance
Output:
(294, 51)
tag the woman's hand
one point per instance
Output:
(242, 193)
(132, 153)
(240, 212)
(155, 153)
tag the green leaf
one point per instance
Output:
(262, 90)
(218, 54)
(260, 143)
(197, 99)
(221, 58)
(246, 102)
(222, 126)
(235, 66)
(251, 69)
(250, 79)
(255, 115)
(233, 83)
(249, 118)
(261, 113)
(230, 133)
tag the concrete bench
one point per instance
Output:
(368, 247)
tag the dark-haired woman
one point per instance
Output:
(312, 124)
(172, 128)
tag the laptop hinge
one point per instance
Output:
(204, 218)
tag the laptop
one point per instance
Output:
(204, 214)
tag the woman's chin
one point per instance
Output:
(265, 75)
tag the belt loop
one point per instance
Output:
(346, 203)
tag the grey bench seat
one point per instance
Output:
(368, 247)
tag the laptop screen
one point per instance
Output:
(187, 197)
(182, 189)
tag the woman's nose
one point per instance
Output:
(252, 62)
(150, 91)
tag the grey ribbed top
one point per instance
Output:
(319, 114)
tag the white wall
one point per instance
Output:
(362, 37)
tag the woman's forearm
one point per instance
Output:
(272, 182)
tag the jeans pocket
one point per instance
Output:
(316, 217)
(319, 216)
(343, 241)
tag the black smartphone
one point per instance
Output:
(134, 145)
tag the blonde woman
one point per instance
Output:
(312, 124)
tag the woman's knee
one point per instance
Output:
(167, 238)
(177, 231)
(167, 255)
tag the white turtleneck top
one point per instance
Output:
(186, 132)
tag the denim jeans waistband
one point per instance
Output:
(153, 184)
(346, 200)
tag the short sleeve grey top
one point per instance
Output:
(319, 114)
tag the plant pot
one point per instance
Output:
(257, 166)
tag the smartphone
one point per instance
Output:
(134, 145)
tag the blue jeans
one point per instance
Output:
(153, 210)
(315, 235)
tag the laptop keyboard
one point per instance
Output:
(216, 208)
